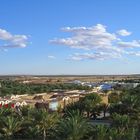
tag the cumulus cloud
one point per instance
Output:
(95, 37)
(12, 41)
(51, 57)
(124, 32)
(102, 43)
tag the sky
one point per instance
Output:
(54, 37)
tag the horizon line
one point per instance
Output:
(138, 74)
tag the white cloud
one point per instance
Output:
(12, 41)
(136, 53)
(101, 43)
(51, 57)
(95, 37)
(132, 44)
(94, 56)
(124, 32)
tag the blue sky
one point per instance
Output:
(69, 37)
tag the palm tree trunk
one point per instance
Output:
(88, 114)
(44, 134)
(104, 114)
(64, 104)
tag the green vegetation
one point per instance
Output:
(13, 87)
(77, 121)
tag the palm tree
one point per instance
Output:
(131, 102)
(30, 129)
(10, 126)
(91, 102)
(129, 134)
(123, 126)
(45, 121)
(120, 121)
(98, 132)
(73, 127)
(74, 107)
